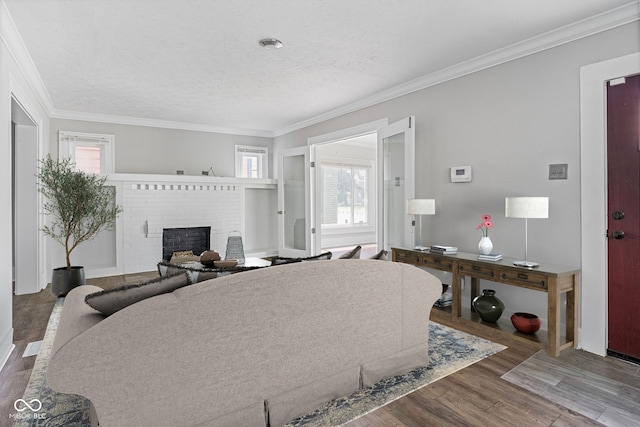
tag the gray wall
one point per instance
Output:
(509, 123)
(141, 149)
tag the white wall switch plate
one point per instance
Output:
(558, 171)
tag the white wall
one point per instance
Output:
(508, 122)
(147, 150)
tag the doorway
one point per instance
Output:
(346, 193)
(623, 215)
(26, 238)
(593, 197)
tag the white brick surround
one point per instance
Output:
(154, 202)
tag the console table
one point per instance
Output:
(554, 280)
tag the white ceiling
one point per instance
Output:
(198, 62)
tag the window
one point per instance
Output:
(252, 162)
(91, 153)
(345, 194)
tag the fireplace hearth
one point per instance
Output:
(195, 239)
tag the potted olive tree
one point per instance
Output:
(79, 206)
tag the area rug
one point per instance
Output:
(449, 349)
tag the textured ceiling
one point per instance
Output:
(199, 62)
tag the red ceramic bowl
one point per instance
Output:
(526, 323)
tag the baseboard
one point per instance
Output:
(6, 348)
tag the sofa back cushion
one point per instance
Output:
(279, 260)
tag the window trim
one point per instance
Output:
(68, 140)
(262, 153)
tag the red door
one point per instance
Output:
(623, 174)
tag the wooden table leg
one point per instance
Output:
(456, 294)
(475, 290)
(572, 312)
(553, 318)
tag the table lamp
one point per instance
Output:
(526, 207)
(421, 207)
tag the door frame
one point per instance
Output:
(593, 188)
(22, 101)
(313, 142)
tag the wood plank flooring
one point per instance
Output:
(474, 396)
(605, 389)
(477, 396)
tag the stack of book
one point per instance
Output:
(489, 257)
(445, 250)
(445, 300)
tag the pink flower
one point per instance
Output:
(485, 225)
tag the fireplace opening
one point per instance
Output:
(195, 239)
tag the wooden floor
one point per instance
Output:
(605, 389)
(474, 396)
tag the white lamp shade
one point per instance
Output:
(526, 207)
(421, 207)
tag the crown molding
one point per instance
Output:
(587, 27)
(15, 45)
(166, 124)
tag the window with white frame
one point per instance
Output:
(345, 194)
(252, 161)
(91, 153)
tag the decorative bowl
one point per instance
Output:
(208, 258)
(225, 263)
(526, 323)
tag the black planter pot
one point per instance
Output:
(63, 280)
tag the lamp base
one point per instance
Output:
(526, 264)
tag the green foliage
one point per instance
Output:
(79, 205)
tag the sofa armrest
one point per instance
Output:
(76, 317)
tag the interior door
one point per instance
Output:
(623, 211)
(396, 183)
(294, 208)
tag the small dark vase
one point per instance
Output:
(488, 306)
(63, 280)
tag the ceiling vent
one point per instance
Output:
(270, 43)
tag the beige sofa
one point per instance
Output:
(251, 349)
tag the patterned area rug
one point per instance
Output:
(449, 349)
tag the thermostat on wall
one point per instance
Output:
(461, 174)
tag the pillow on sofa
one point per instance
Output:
(285, 260)
(352, 254)
(382, 255)
(198, 272)
(110, 301)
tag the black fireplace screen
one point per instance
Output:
(195, 239)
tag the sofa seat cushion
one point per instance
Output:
(112, 300)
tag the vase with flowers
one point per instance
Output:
(485, 246)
